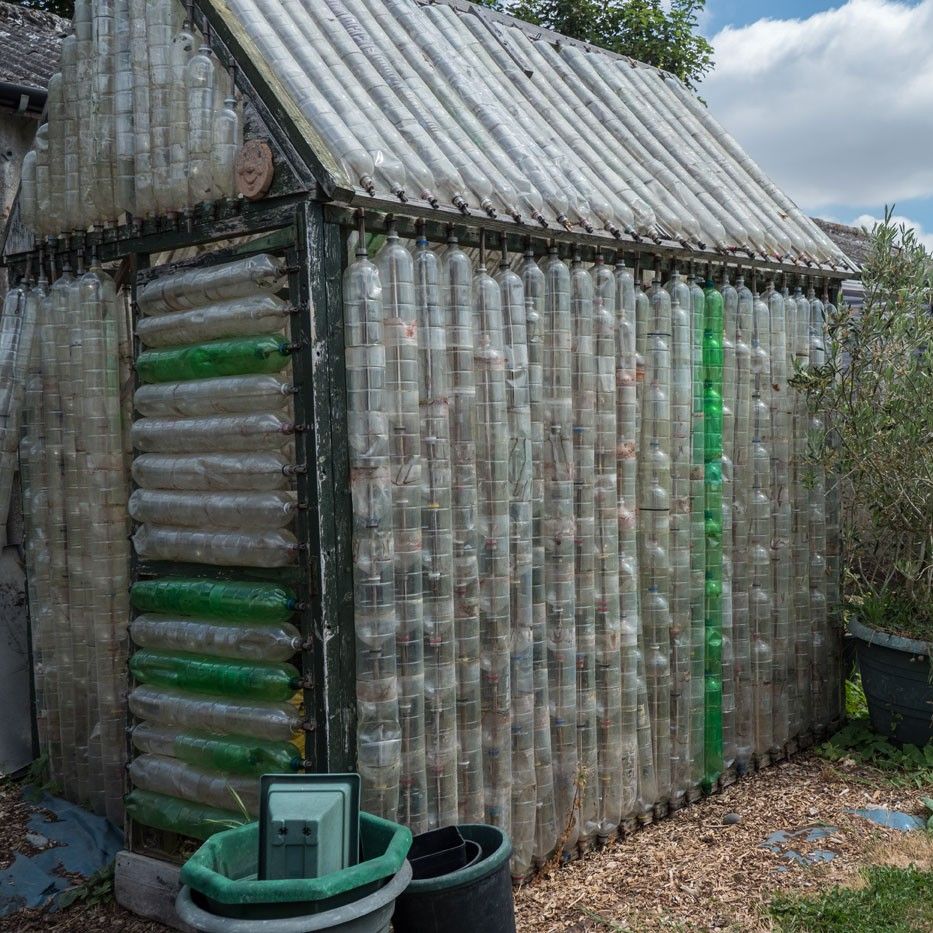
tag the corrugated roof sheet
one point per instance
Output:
(441, 103)
(30, 45)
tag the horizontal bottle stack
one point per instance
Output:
(142, 121)
(75, 492)
(642, 660)
(216, 690)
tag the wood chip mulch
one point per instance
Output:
(694, 872)
(689, 872)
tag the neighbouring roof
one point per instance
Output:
(30, 45)
(450, 105)
(855, 242)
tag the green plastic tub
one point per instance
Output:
(222, 874)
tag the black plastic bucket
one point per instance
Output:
(898, 683)
(466, 900)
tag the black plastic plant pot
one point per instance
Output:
(898, 683)
(466, 900)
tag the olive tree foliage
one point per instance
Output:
(876, 390)
(64, 8)
(652, 31)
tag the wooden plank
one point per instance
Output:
(148, 887)
(322, 400)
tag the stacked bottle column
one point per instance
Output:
(142, 121)
(492, 455)
(730, 299)
(521, 562)
(742, 485)
(217, 691)
(546, 830)
(61, 357)
(713, 528)
(803, 626)
(782, 512)
(584, 437)
(437, 537)
(654, 491)
(559, 528)
(457, 276)
(396, 270)
(833, 559)
(628, 418)
(681, 598)
(816, 438)
(760, 533)
(610, 743)
(697, 542)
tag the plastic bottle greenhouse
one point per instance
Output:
(397, 388)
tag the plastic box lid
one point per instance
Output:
(309, 825)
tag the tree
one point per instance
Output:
(64, 8)
(641, 29)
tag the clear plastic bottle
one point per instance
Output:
(396, 272)
(457, 286)
(102, 127)
(196, 288)
(28, 195)
(608, 626)
(741, 496)
(222, 433)
(183, 47)
(440, 637)
(559, 539)
(162, 775)
(82, 116)
(379, 738)
(46, 215)
(200, 80)
(730, 300)
(518, 402)
(546, 831)
(628, 422)
(680, 532)
(492, 525)
(225, 396)
(267, 643)
(584, 439)
(218, 548)
(248, 511)
(225, 147)
(124, 171)
(145, 201)
(213, 472)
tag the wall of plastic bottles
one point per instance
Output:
(215, 691)
(594, 570)
(142, 120)
(67, 348)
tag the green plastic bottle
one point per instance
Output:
(213, 599)
(180, 816)
(237, 755)
(218, 677)
(242, 357)
(712, 409)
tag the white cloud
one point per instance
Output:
(837, 108)
(869, 220)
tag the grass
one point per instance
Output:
(892, 900)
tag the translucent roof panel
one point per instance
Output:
(443, 104)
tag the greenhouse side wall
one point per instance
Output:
(597, 615)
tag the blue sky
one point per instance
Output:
(834, 100)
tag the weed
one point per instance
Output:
(96, 890)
